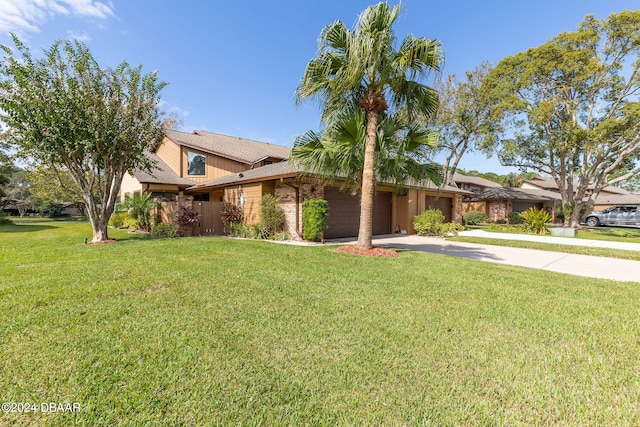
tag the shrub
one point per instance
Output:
(271, 214)
(141, 207)
(515, 218)
(501, 221)
(450, 229)
(50, 209)
(117, 219)
(314, 218)
(164, 229)
(475, 218)
(231, 214)
(236, 229)
(536, 220)
(257, 231)
(281, 236)
(186, 217)
(429, 222)
(130, 223)
(4, 219)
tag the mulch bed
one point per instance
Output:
(102, 242)
(376, 251)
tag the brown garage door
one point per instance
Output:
(344, 213)
(442, 203)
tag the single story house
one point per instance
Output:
(498, 202)
(609, 196)
(205, 169)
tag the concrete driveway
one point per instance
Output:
(579, 265)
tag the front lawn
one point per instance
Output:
(212, 331)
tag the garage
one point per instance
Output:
(344, 213)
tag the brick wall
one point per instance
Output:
(287, 196)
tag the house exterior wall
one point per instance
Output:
(249, 195)
(169, 152)
(286, 193)
(498, 209)
(215, 166)
(475, 206)
(129, 186)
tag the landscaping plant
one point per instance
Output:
(536, 221)
(271, 214)
(429, 222)
(475, 218)
(164, 229)
(314, 218)
(186, 217)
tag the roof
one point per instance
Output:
(512, 194)
(459, 178)
(161, 174)
(231, 147)
(617, 199)
(290, 169)
(550, 184)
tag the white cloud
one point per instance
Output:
(81, 37)
(28, 15)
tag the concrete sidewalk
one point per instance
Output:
(579, 265)
(555, 240)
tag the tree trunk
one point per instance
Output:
(365, 233)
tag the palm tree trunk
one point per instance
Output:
(365, 232)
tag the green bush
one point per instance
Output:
(271, 214)
(536, 220)
(314, 218)
(515, 218)
(281, 236)
(4, 219)
(429, 222)
(501, 221)
(164, 229)
(257, 231)
(450, 229)
(475, 218)
(117, 219)
(236, 229)
(130, 223)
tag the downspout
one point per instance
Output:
(297, 190)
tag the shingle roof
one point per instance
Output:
(512, 194)
(551, 184)
(161, 174)
(291, 169)
(476, 180)
(235, 148)
(617, 199)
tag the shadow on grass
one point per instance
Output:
(23, 228)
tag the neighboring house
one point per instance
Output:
(497, 202)
(609, 196)
(206, 169)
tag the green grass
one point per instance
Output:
(618, 234)
(570, 249)
(211, 331)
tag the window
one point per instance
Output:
(196, 163)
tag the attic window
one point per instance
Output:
(196, 163)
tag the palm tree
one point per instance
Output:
(361, 67)
(338, 151)
(140, 207)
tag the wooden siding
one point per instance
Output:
(215, 167)
(475, 206)
(169, 152)
(252, 196)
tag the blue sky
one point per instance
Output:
(233, 67)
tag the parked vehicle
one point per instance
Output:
(615, 215)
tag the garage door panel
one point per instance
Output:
(344, 213)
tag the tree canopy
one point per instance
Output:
(362, 68)
(570, 108)
(65, 111)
